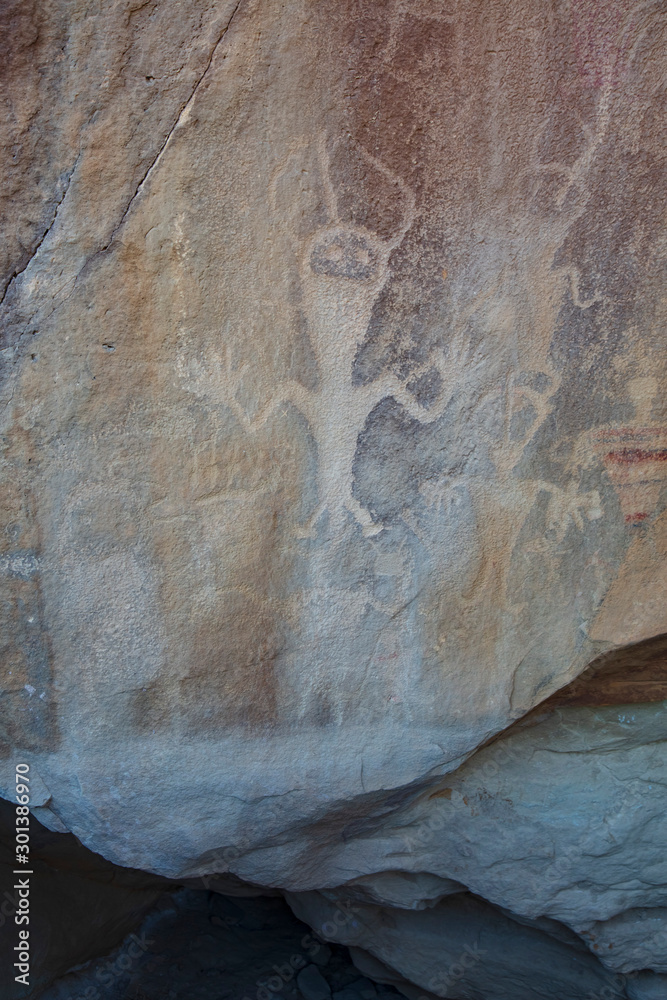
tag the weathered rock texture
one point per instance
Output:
(334, 429)
(560, 824)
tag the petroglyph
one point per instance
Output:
(343, 269)
(634, 457)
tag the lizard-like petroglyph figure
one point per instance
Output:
(343, 269)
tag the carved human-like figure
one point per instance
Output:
(343, 269)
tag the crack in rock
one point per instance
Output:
(44, 235)
(181, 119)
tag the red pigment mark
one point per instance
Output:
(602, 37)
(632, 456)
(635, 518)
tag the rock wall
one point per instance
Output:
(333, 420)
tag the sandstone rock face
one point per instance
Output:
(334, 435)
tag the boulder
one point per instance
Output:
(312, 984)
(560, 824)
(334, 444)
(462, 947)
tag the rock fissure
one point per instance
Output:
(46, 232)
(180, 119)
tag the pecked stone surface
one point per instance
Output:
(333, 428)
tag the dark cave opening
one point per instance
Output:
(102, 932)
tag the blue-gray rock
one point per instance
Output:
(312, 984)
